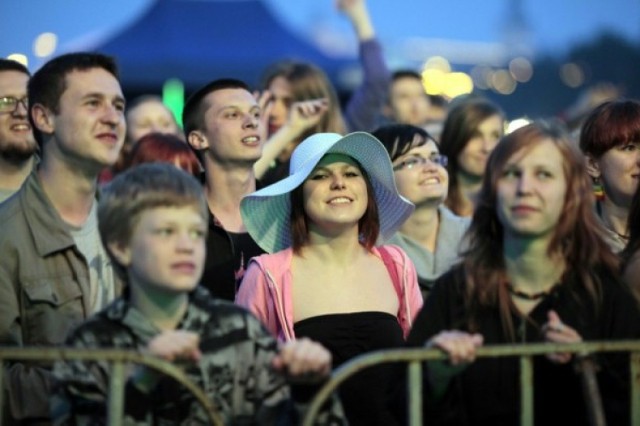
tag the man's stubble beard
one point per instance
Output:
(18, 153)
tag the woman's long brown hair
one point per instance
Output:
(578, 236)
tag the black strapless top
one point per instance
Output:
(364, 396)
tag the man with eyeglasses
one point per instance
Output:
(54, 270)
(17, 144)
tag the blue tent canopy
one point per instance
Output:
(200, 40)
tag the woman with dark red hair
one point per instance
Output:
(610, 139)
(537, 270)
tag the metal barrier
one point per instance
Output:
(117, 379)
(415, 357)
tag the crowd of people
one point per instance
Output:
(276, 235)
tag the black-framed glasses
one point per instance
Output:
(10, 104)
(417, 161)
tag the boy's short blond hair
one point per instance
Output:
(141, 188)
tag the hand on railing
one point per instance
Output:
(303, 361)
(460, 348)
(556, 331)
(173, 346)
(459, 345)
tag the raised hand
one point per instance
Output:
(303, 115)
(358, 14)
(265, 102)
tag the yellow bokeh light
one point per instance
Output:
(450, 85)
(437, 63)
(19, 57)
(521, 69)
(572, 75)
(45, 44)
(432, 80)
(503, 82)
(456, 84)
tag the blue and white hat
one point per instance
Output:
(266, 213)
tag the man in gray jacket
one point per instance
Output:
(54, 271)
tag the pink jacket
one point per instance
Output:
(266, 291)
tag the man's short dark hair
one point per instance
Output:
(49, 83)
(194, 109)
(399, 74)
(11, 65)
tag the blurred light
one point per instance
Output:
(433, 81)
(503, 82)
(437, 63)
(450, 85)
(173, 97)
(572, 75)
(521, 69)
(456, 84)
(45, 44)
(19, 57)
(516, 124)
(481, 75)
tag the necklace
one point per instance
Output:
(528, 296)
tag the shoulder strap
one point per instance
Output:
(391, 267)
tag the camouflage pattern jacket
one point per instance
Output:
(234, 371)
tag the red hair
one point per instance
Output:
(610, 124)
(164, 148)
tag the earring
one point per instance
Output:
(598, 189)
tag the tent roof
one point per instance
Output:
(201, 40)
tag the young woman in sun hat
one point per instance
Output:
(325, 278)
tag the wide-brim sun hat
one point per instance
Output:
(266, 213)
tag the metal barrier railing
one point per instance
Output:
(414, 358)
(117, 379)
(526, 352)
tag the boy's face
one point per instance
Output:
(166, 251)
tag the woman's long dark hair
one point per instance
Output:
(633, 225)
(460, 126)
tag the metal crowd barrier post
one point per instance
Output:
(526, 352)
(118, 359)
(635, 388)
(526, 391)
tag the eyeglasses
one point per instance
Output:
(10, 104)
(417, 161)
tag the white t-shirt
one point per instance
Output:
(101, 272)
